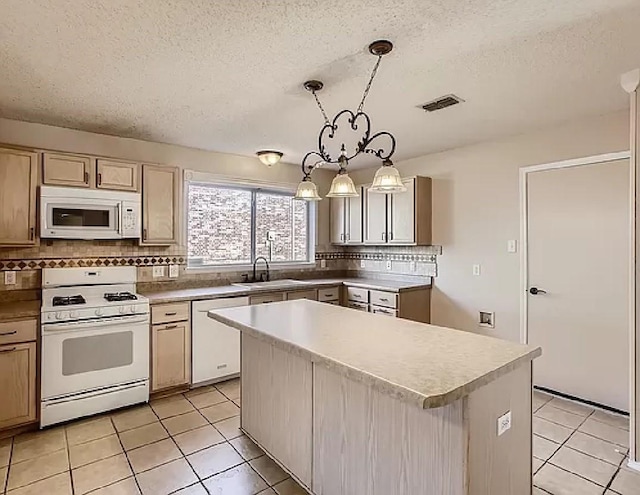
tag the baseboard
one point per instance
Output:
(633, 465)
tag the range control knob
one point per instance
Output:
(99, 312)
(59, 315)
(132, 309)
(122, 310)
(73, 314)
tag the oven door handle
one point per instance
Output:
(91, 324)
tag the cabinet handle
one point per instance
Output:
(32, 232)
(171, 314)
(383, 236)
(13, 332)
(99, 179)
(384, 299)
(359, 296)
(144, 234)
(8, 350)
(86, 177)
(169, 327)
(348, 237)
(391, 236)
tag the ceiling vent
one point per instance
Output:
(441, 103)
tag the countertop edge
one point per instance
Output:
(380, 384)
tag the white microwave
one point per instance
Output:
(70, 213)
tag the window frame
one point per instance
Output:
(200, 178)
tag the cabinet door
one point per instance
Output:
(354, 219)
(170, 356)
(302, 294)
(18, 181)
(159, 205)
(375, 217)
(338, 220)
(18, 384)
(402, 217)
(116, 175)
(67, 170)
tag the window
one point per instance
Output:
(232, 225)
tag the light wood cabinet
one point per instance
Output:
(117, 175)
(411, 305)
(160, 186)
(18, 182)
(346, 220)
(170, 346)
(60, 169)
(18, 374)
(400, 218)
(311, 294)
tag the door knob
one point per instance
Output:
(535, 291)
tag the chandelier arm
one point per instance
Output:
(368, 87)
(307, 168)
(380, 153)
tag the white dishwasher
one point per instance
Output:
(215, 346)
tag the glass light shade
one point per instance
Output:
(307, 191)
(342, 187)
(269, 157)
(387, 180)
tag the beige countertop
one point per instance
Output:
(19, 309)
(423, 364)
(234, 290)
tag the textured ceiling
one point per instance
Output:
(226, 75)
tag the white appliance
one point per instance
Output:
(74, 213)
(216, 346)
(95, 342)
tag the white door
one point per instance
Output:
(402, 215)
(216, 346)
(578, 263)
(354, 220)
(337, 220)
(375, 217)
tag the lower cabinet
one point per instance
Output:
(170, 347)
(411, 305)
(311, 294)
(17, 375)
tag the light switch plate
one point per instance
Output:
(388, 264)
(174, 271)
(476, 270)
(362, 265)
(10, 278)
(323, 263)
(504, 423)
(158, 271)
(512, 246)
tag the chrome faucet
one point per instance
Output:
(266, 262)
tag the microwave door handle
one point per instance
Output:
(119, 219)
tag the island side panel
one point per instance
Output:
(501, 465)
(276, 390)
(369, 443)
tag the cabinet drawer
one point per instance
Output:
(302, 294)
(165, 313)
(266, 298)
(380, 310)
(329, 294)
(380, 298)
(358, 306)
(18, 331)
(335, 303)
(357, 294)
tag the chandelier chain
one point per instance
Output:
(366, 90)
(324, 114)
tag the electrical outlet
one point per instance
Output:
(486, 319)
(512, 246)
(362, 265)
(10, 278)
(158, 271)
(174, 271)
(388, 264)
(323, 263)
(476, 270)
(504, 423)
(412, 266)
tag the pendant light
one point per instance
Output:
(387, 179)
(307, 191)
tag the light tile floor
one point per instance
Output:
(190, 444)
(580, 450)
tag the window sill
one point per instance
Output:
(273, 267)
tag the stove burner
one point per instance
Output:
(120, 296)
(68, 300)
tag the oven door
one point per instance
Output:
(88, 355)
(80, 218)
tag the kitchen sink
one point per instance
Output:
(273, 284)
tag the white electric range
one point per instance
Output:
(95, 342)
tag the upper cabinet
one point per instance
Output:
(118, 175)
(62, 169)
(160, 186)
(18, 181)
(399, 218)
(67, 170)
(346, 220)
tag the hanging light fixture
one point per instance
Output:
(387, 178)
(269, 157)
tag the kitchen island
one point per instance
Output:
(352, 403)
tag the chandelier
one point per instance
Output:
(381, 144)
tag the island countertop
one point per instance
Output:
(427, 365)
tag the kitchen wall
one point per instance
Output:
(476, 211)
(29, 261)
